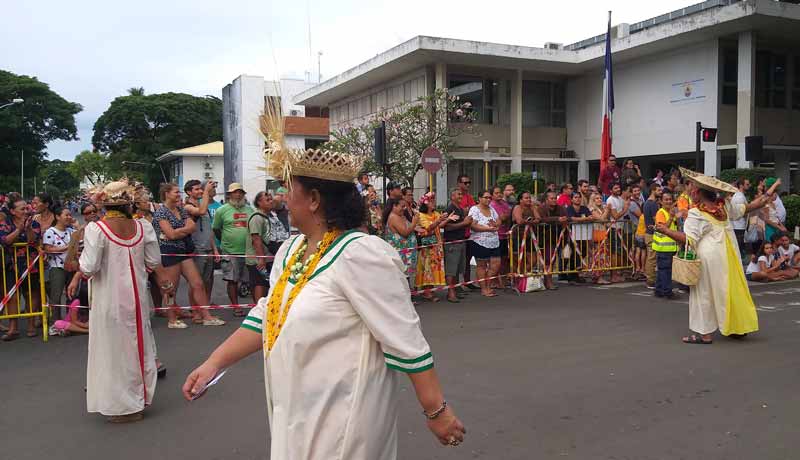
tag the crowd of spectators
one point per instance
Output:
(583, 233)
(196, 234)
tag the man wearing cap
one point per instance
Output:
(230, 226)
(394, 190)
(279, 208)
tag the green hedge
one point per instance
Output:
(730, 175)
(521, 181)
(792, 205)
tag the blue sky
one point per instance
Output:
(92, 51)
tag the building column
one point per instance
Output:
(712, 160)
(745, 102)
(782, 169)
(442, 194)
(516, 122)
(583, 169)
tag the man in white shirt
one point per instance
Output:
(740, 225)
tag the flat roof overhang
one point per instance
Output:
(764, 16)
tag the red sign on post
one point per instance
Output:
(431, 160)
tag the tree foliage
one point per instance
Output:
(27, 128)
(140, 128)
(522, 181)
(92, 166)
(57, 180)
(411, 127)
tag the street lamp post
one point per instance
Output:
(13, 101)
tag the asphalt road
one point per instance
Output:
(580, 373)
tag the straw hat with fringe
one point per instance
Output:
(708, 182)
(116, 193)
(283, 162)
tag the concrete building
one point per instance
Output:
(243, 102)
(201, 162)
(733, 65)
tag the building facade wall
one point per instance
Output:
(651, 116)
(360, 107)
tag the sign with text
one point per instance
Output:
(688, 91)
(431, 160)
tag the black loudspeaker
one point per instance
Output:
(380, 144)
(753, 148)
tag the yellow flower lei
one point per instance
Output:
(277, 317)
(111, 214)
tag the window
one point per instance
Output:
(796, 89)
(469, 90)
(730, 64)
(770, 79)
(544, 104)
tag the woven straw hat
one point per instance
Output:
(708, 182)
(283, 162)
(118, 192)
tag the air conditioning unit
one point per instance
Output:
(208, 176)
(208, 165)
(553, 46)
(294, 113)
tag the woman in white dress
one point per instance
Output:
(121, 370)
(337, 329)
(721, 299)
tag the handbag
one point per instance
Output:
(531, 283)
(566, 251)
(686, 269)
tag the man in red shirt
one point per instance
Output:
(609, 176)
(565, 198)
(467, 201)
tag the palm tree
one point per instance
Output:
(136, 91)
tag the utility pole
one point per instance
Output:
(698, 133)
(319, 67)
(22, 172)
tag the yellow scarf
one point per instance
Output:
(276, 316)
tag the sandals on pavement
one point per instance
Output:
(212, 322)
(239, 313)
(10, 336)
(453, 300)
(695, 339)
(177, 324)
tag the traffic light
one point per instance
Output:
(709, 134)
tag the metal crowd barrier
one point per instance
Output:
(561, 248)
(17, 284)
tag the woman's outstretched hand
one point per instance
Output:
(198, 379)
(447, 428)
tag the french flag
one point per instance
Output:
(608, 103)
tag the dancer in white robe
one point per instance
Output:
(721, 299)
(121, 370)
(333, 360)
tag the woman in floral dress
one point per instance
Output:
(400, 233)
(430, 263)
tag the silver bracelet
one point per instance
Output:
(437, 412)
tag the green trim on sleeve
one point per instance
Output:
(410, 371)
(254, 319)
(408, 361)
(252, 328)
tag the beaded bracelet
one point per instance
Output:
(437, 412)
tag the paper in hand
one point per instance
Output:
(208, 385)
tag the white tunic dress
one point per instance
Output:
(332, 375)
(121, 371)
(721, 300)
